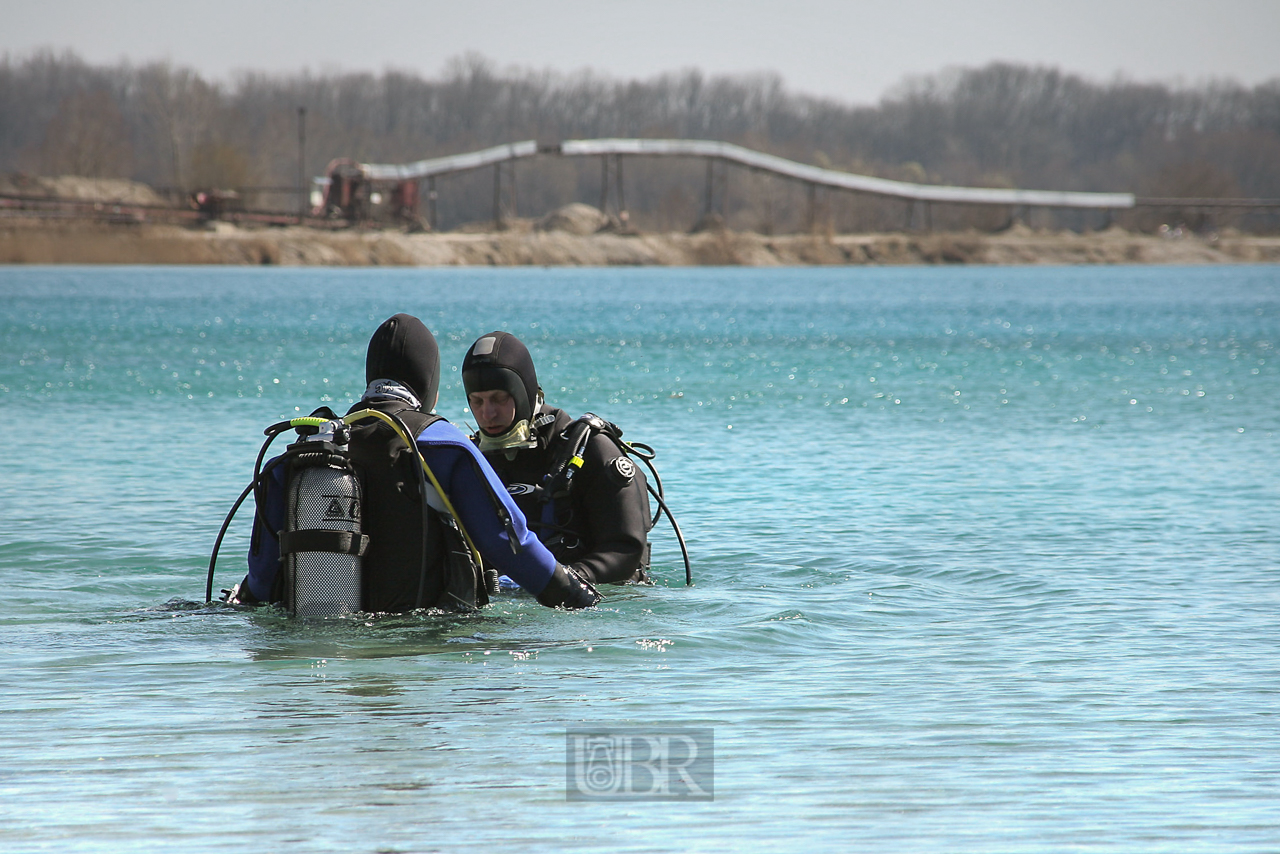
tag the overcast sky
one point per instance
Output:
(849, 50)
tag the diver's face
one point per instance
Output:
(495, 410)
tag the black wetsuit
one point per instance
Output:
(601, 528)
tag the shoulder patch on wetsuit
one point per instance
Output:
(520, 488)
(622, 469)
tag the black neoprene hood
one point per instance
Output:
(403, 349)
(499, 360)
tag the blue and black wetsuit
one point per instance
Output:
(393, 519)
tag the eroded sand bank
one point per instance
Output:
(24, 241)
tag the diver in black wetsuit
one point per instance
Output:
(403, 375)
(594, 517)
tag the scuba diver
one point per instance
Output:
(581, 493)
(390, 507)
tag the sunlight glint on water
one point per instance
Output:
(985, 559)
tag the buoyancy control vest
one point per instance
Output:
(417, 556)
(583, 495)
(570, 456)
(556, 490)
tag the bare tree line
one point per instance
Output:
(1001, 125)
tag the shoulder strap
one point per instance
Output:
(417, 421)
(567, 463)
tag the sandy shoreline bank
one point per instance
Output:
(29, 241)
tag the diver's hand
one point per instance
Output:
(569, 590)
(240, 594)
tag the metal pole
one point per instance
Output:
(497, 195)
(431, 202)
(604, 184)
(302, 162)
(515, 190)
(724, 190)
(710, 187)
(623, 216)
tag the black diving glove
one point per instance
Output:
(569, 590)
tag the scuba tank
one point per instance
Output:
(321, 544)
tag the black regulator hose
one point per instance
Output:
(684, 550)
(213, 558)
(645, 454)
(259, 481)
(226, 523)
(657, 479)
(261, 500)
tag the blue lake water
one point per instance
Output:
(986, 559)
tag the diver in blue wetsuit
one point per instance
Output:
(417, 556)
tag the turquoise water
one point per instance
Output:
(985, 560)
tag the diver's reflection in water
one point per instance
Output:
(368, 636)
(516, 627)
(311, 658)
